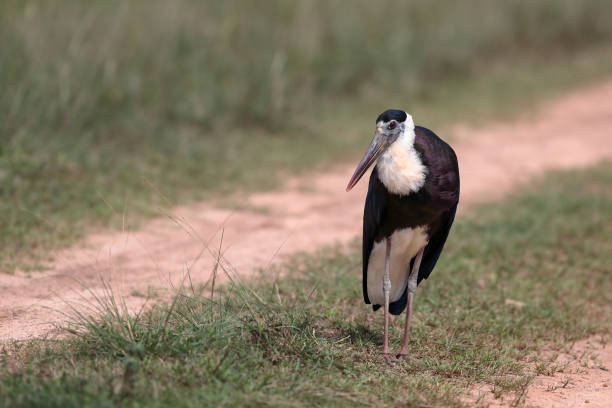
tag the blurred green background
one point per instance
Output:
(107, 105)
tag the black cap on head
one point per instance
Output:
(392, 114)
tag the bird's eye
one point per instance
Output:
(392, 125)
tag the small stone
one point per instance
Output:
(586, 401)
(514, 303)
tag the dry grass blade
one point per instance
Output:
(214, 271)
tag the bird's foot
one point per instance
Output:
(390, 359)
(408, 357)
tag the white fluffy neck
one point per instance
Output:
(400, 168)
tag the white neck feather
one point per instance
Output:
(400, 168)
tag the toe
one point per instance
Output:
(408, 357)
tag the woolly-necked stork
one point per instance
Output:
(410, 207)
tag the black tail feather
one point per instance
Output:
(397, 307)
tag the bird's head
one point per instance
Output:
(390, 125)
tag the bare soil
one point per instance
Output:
(307, 213)
(584, 379)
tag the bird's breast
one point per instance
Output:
(401, 170)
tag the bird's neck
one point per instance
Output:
(400, 168)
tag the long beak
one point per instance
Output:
(377, 147)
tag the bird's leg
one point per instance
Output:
(412, 285)
(387, 290)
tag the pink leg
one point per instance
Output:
(412, 284)
(387, 290)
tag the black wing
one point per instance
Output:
(442, 185)
(442, 188)
(373, 213)
(435, 245)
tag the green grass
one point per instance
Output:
(102, 100)
(308, 339)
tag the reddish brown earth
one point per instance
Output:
(306, 214)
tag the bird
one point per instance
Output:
(409, 209)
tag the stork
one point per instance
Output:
(410, 207)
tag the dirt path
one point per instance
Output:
(307, 214)
(584, 380)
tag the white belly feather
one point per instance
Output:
(405, 244)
